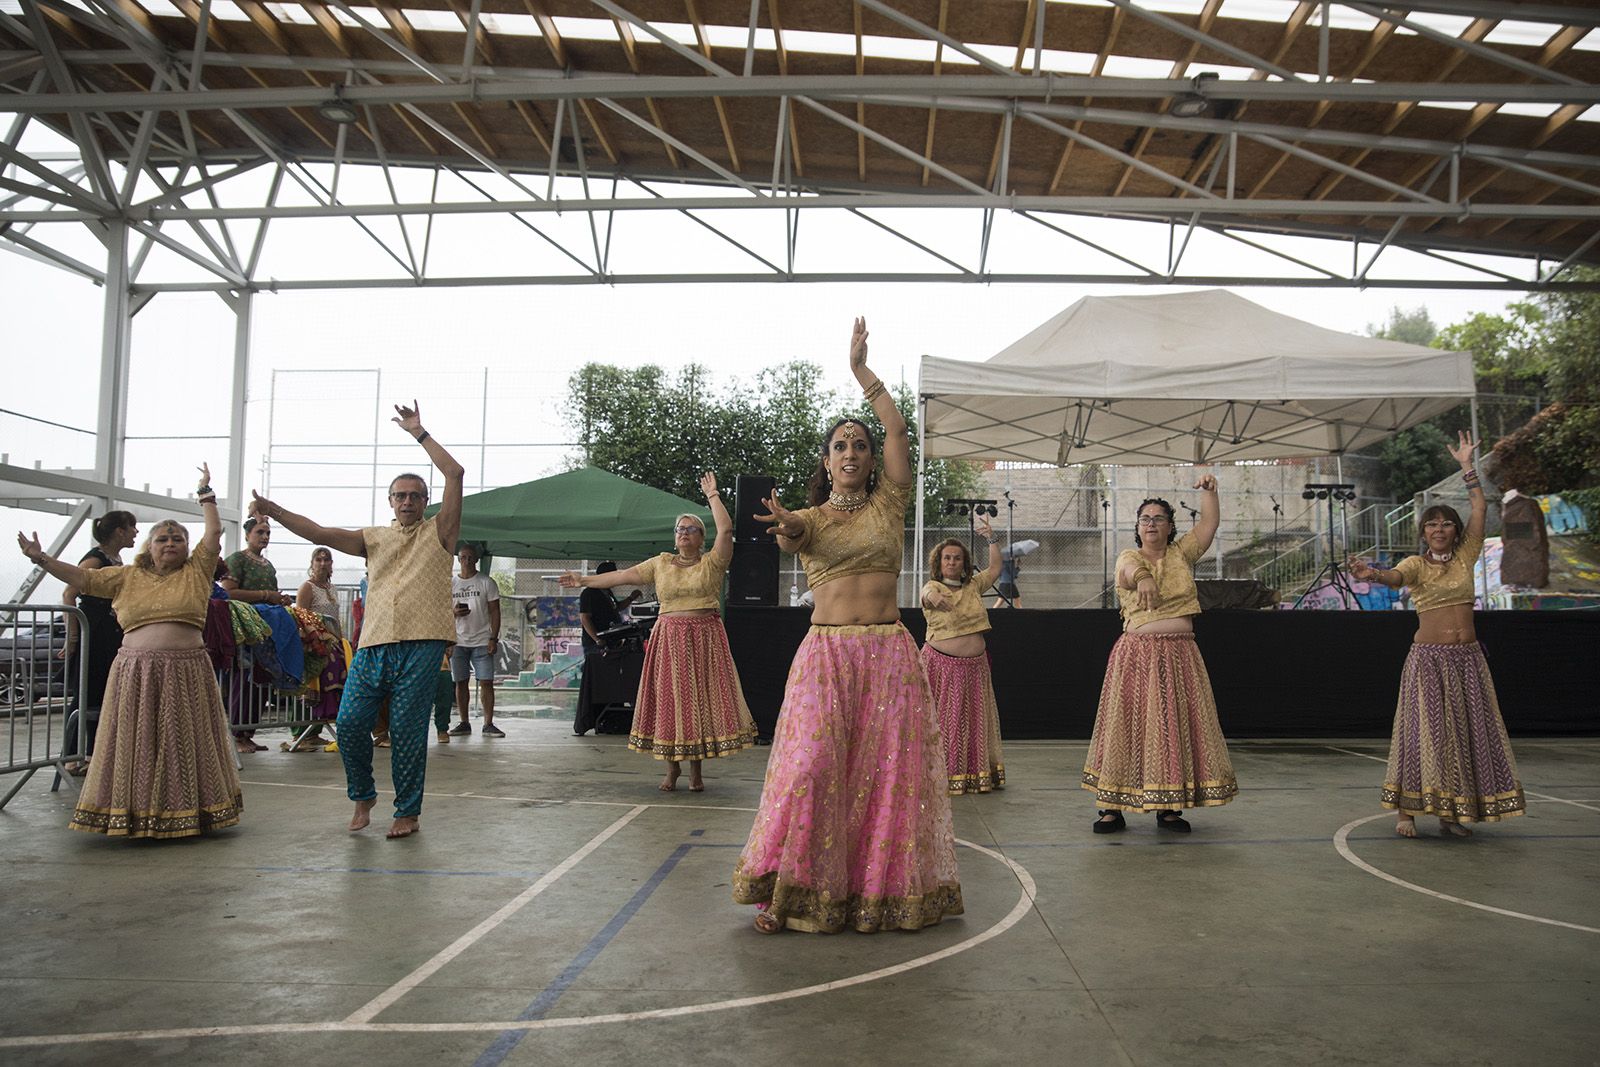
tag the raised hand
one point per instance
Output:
(30, 546)
(1207, 483)
(569, 580)
(260, 506)
(408, 419)
(708, 485)
(1462, 453)
(205, 477)
(779, 519)
(1361, 570)
(858, 344)
(985, 529)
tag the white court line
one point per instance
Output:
(1023, 905)
(370, 1010)
(1527, 792)
(1341, 841)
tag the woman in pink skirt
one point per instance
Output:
(1449, 756)
(163, 762)
(957, 661)
(1157, 745)
(854, 826)
(691, 706)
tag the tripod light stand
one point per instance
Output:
(1333, 572)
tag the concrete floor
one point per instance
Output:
(553, 884)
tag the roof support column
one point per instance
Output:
(111, 422)
(243, 305)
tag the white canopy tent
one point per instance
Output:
(1203, 377)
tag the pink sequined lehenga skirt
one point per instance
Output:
(1449, 755)
(691, 706)
(1157, 745)
(969, 720)
(163, 760)
(854, 827)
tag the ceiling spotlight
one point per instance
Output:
(338, 110)
(1194, 104)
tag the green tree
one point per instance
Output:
(1414, 327)
(1506, 354)
(1414, 458)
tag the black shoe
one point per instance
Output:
(1171, 820)
(461, 728)
(1117, 822)
(491, 730)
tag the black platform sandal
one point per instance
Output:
(1171, 820)
(1117, 822)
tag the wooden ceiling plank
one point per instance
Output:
(551, 35)
(334, 30)
(630, 49)
(1024, 39)
(1117, 19)
(486, 48)
(861, 109)
(938, 68)
(783, 68)
(721, 105)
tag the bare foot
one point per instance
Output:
(670, 782)
(402, 827)
(696, 786)
(768, 923)
(363, 814)
(1405, 826)
(1452, 829)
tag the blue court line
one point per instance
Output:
(508, 1040)
(399, 870)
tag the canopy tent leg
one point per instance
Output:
(922, 478)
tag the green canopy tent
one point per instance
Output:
(583, 514)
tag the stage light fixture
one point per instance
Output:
(1309, 494)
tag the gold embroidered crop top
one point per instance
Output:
(140, 596)
(1435, 586)
(685, 588)
(1174, 576)
(966, 614)
(869, 541)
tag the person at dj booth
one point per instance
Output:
(599, 611)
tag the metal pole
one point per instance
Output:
(242, 305)
(483, 431)
(922, 484)
(111, 423)
(1483, 580)
(377, 417)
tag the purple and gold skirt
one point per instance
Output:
(969, 720)
(691, 706)
(1449, 755)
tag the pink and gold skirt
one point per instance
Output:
(969, 720)
(854, 827)
(1157, 745)
(1449, 755)
(690, 703)
(163, 760)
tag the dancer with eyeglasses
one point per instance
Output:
(691, 705)
(1449, 755)
(407, 623)
(1157, 746)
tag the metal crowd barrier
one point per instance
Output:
(37, 705)
(254, 705)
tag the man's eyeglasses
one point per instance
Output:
(403, 497)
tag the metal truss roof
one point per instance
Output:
(1452, 128)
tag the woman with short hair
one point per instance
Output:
(691, 705)
(1449, 755)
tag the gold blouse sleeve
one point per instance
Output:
(1189, 545)
(1409, 570)
(808, 519)
(103, 582)
(647, 571)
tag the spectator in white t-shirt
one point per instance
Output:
(477, 609)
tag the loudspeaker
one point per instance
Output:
(749, 492)
(753, 575)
